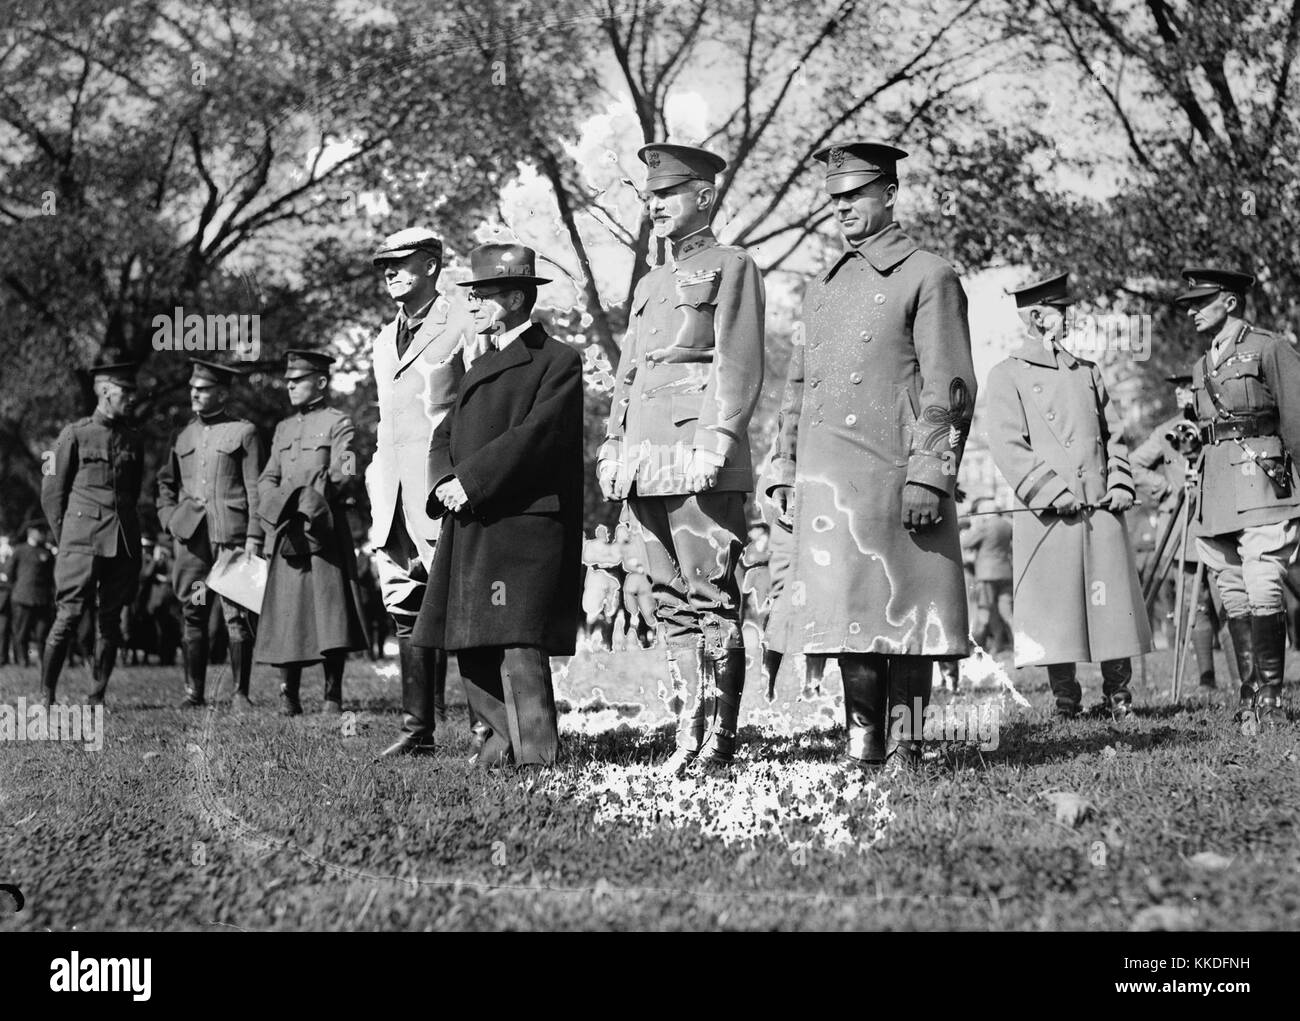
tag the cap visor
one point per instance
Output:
(504, 282)
(838, 184)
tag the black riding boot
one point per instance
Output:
(52, 657)
(865, 694)
(694, 670)
(1065, 688)
(418, 693)
(334, 663)
(1268, 631)
(195, 654)
(909, 681)
(729, 680)
(1243, 647)
(241, 670)
(101, 670)
(771, 666)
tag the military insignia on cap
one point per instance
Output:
(836, 156)
(652, 159)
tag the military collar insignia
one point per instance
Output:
(697, 242)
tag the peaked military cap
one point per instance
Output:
(120, 372)
(299, 363)
(408, 242)
(206, 374)
(669, 165)
(1051, 291)
(853, 163)
(1206, 280)
(505, 264)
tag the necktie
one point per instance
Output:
(404, 334)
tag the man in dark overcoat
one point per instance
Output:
(31, 571)
(1058, 442)
(311, 610)
(505, 473)
(877, 405)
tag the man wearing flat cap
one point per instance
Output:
(418, 360)
(1244, 401)
(505, 477)
(1055, 437)
(873, 424)
(90, 500)
(207, 503)
(677, 446)
(311, 609)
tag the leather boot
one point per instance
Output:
(1243, 647)
(195, 655)
(771, 666)
(418, 665)
(1268, 631)
(865, 696)
(101, 670)
(729, 681)
(439, 669)
(52, 658)
(909, 682)
(290, 679)
(241, 670)
(687, 666)
(1203, 645)
(1064, 682)
(1116, 676)
(333, 666)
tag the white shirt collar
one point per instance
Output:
(500, 341)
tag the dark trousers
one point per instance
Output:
(509, 690)
(993, 610)
(31, 623)
(8, 613)
(194, 560)
(83, 579)
(693, 546)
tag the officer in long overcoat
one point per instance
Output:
(677, 440)
(1246, 400)
(419, 359)
(90, 500)
(207, 502)
(311, 609)
(1056, 439)
(505, 473)
(873, 424)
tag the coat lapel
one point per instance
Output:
(493, 363)
(433, 328)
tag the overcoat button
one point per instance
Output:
(1051, 416)
(855, 377)
(851, 420)
(880, 299)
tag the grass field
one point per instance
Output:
(198, 820)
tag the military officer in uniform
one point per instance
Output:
(677, 446)
(312, 605)
(207, 502)
(877, 405)
(1246, 401)
(1056, 439)
(89, 499)
(419, 359)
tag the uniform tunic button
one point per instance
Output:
(865, 335)
(855, 377)
(814, 383)
(1038, 388)
(1051, 416)
(1067, 443)
(880, 299)
(654, 329)
(851, 420)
